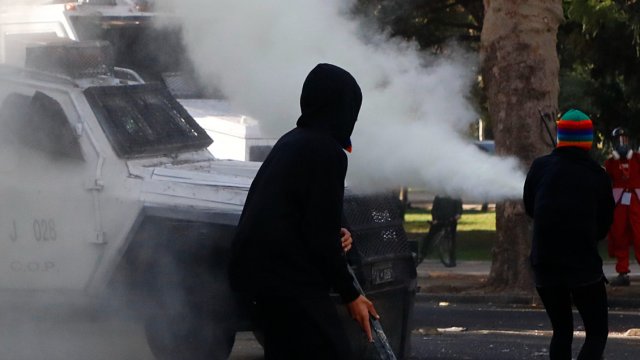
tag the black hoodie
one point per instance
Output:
(569, 197)
(288, 239)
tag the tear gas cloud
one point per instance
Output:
(415, 108)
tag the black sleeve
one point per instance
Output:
(322, 221)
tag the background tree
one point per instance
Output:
(431, 23)
(599, 49)
(520, 73)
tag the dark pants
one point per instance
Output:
(591, 302)
(433, 230)
(302, 329)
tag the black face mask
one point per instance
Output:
(622, 150)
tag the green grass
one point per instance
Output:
(476, 231)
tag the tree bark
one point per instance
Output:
(520, 75)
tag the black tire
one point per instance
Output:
(191, 320)
(185, 336)
(443, 243)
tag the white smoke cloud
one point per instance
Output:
(415, 107)
(22, 2)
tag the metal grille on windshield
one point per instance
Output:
(145, 120)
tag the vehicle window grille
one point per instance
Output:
(84, 59)
(145, 120)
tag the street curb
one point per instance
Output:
(506, 299)
(624, 303)
(489, 299)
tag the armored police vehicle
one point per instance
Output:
(106, 184)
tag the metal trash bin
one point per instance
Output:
(382, 261)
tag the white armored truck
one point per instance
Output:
(107, 187)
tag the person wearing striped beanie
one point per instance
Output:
(568, 195)
(575, 129)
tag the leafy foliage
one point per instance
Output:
(431, 23)
(598, 47)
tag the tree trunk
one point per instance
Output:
(520, 74)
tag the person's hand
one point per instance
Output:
(345, 239)
(360, 309)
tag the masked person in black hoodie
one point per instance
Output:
(569, 197)
(287, 253)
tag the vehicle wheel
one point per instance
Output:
(183, 336)
(443, 242)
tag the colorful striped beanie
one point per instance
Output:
(575, 129)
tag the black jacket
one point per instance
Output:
(569, 197)
(445, 208)
(288, 238)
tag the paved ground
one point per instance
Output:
(464, 283)
(505, 332)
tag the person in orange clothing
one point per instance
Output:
(623, 168)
